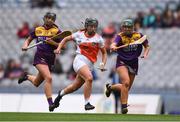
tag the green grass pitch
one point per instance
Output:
(14, 116)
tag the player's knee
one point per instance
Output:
(89, 79)
(48, 79)
(127, 85)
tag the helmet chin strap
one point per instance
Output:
(48, 25)
(91, 33)
(127, 34)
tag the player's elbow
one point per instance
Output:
(64, 47)
(103, 51)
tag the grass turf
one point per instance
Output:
(14, 116)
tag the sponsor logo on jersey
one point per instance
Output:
(93, 43)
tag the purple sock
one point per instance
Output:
(50, 101)
(124, 106)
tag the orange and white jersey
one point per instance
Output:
(88, 46)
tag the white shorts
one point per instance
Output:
(80, 61)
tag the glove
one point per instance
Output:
(101, 67)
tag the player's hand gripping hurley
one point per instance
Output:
(102, 67)
(139, 41)
(50, 40)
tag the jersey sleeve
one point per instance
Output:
(101, 42)
(118, 40)
(59, 31)
(75, 35)
(32, 33)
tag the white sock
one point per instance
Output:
(62, 93)
(86, 101)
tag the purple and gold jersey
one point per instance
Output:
(41, 34)
(130, 52)
(44, 53)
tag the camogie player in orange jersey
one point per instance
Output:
(88, 44)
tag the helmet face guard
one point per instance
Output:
(127, 27)
(91, 21)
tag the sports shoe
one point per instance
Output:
(23, 78)
(56, 102)
(57, 99)
(124, 110)
(88, 106)
(52, 107)
(108, 90)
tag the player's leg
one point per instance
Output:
(69, 89)
(132, 77)
(114, 87)
(73, 86)
(86, 74)
(118, 87)
(45, 72)
(125, 79)
(35, 80)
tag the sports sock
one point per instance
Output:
(50, 102)
(62, 93)
(123, 105)
(86, 101)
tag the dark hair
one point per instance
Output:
(90, 21)
(50, 15)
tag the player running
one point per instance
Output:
(88, 44)
(127, 61)
(44, 57)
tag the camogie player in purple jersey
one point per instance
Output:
(127, 60)
(44, 57)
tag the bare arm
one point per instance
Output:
(146, 51)
(26, 43)
(62, 44)
(104, 59)
(117, 41)
(104, 55)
